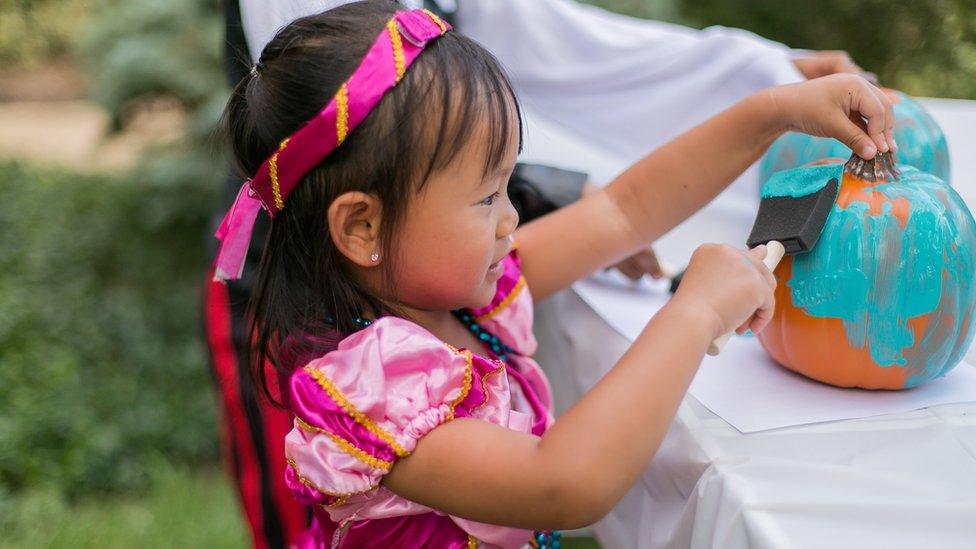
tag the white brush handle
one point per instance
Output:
(774, 254)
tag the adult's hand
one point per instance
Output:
(824, 63)
(642, 263)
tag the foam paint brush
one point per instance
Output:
(792, 213)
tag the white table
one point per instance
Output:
(902, 480)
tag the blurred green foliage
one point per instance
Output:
(133, 49)
(33, 32)
(103, 366)
(923, 47)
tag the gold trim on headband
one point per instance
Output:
(437, 20)
(342, 113)
(401, 64)
(273, 171)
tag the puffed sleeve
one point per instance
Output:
(509, 314)
(363, 406)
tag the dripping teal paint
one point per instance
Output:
(921, 144)
(875, 276)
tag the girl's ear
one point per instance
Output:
(354, 224)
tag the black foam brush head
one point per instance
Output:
(795, 222)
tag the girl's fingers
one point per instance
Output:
(854, 137)
(889, 131)
(744, 326)
(765, 313)
(758, 254)
(758, 324)
(871, 107)
(760, 319)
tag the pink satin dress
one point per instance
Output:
(363, 406)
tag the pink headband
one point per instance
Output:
(395, 49)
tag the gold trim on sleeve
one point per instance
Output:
(484, 384)
(305, 481)
(466, 384)
(336, 395)
(347, 446)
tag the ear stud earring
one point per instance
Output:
(375, 257)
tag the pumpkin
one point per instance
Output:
(921, 143)
(885, 300)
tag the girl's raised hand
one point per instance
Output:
(843, 106)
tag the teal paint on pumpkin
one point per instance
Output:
(945, 229)
(875, 276)
(921, 144)
(801, 181)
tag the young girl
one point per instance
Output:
(396, 306)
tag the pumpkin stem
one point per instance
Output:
(880, 168)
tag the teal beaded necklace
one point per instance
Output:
(488, 339)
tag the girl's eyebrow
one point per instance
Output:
(490, 179)
(501, 169)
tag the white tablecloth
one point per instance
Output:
(902, 480)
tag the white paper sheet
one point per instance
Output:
(751, 392)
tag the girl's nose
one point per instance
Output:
(508, 220)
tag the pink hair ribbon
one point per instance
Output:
(395, 49)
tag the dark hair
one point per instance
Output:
(305, 300)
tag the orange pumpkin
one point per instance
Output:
(886, 298)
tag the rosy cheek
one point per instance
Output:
(446, 284)
(443, 264)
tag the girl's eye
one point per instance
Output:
(490, 200)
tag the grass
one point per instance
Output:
(182, 509)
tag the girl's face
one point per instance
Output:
(456, 232)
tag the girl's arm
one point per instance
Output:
(591, 456)
(585, 462)
(667, 186)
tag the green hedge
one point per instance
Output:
(923, 47)
(101, 362)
